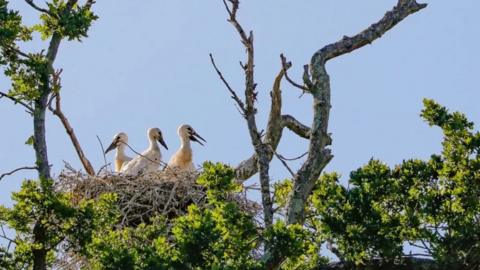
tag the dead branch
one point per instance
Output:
(235, 97)
(248, 167)
(17, 101)
(262, 150)
(295, 126)
(284, 163)
(141, 197)
(16, 170)
(57, 111)
(319, 156)
(286, 65)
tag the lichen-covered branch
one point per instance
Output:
(295, 126)
(248, 168)
(319, 155)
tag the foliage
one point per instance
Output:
(431, 204)
(38, 205)
(31, 73)
(72, 24)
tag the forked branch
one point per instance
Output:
(319, 155)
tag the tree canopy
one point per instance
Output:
(431, 205)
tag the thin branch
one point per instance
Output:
(43, 10)
(104, 156)
(283, 161)
(16, 170)
(153, 161)
(57, 111)
(261, 149)
(286, 65)
(295, 158)
(16, 100)
(18, 51)
(235, 97)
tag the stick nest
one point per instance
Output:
(167, 193)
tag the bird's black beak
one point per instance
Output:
(112, 146)
(162, 142)
(195, 137)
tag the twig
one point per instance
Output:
(16, 170)
(295, 158)
(235, 97)
(16, 100)
(286, 65)
(103, 153)
(153, 161)
(282, 160)
(32, 4)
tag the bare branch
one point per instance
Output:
(104, 156)
(319, 155)
(295, 126)
(43, 10)
(295, 158)
(235, 97)
(403, 9)
(286, 65)
(16, 170)
(68, 128)
(262, 150)
(284, 162)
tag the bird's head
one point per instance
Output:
(156, 134)
(186, 131)
(118, 139)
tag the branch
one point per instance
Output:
(68, 128)
(284, 163)
(286, 65)
(90, 3)
(295, 126)
(403, 9)
(235, 97)
(319, 156)
(16, 170)
(261, 149)
(16, 100)
(248, 167)
(33, 5)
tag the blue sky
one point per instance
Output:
(146, 64)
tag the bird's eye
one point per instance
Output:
(118, 138)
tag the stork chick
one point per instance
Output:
(150, 159)
(120, 140)
(182, 159)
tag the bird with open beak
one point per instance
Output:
(183, 158)
(150, 159)
(120, 140)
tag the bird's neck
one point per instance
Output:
(120, 151)
(153, 144)
(185, 144)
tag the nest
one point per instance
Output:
(167, 193)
